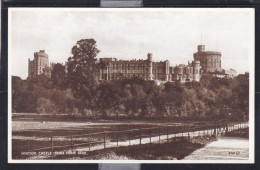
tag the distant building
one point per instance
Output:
(231, 73)
(205, 62)
(187, 73)
(210, 61)
(39, 65)
(217, 74)
(111, 68)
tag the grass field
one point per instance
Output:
(31, 131)
(176, 149)
(31, 134)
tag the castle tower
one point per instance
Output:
(38, 64)
(196, 70)
(167, 71)
(201, 48)
(150, 66)
(210, 60)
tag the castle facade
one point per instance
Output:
(111, 68)
(205, 62)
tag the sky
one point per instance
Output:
(169, 34)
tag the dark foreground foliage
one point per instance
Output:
(242, 133)
(135, 98)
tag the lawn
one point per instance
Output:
(30, 132)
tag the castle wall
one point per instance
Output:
(204, 61)
(144, 69)
(183, 73)
(113, 69)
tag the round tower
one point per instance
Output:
(210, 61)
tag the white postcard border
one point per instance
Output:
(251, 87)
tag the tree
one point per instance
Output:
(45, 106)
(58, 75)
(82, 70)
(240, 97)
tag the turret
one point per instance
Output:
(150, 57)
(150, 65)
(201, 48)
(167, 71)
(196, 70)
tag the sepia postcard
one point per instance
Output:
(131, 85)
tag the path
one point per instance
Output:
(225, 148)
(146, 140)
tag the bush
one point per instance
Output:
(45, 106)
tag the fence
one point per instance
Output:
(130, 137)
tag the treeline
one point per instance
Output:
(78, 91)
(135, 98)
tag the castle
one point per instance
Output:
(40, 64)
(204, 63)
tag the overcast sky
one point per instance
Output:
(170, 34)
